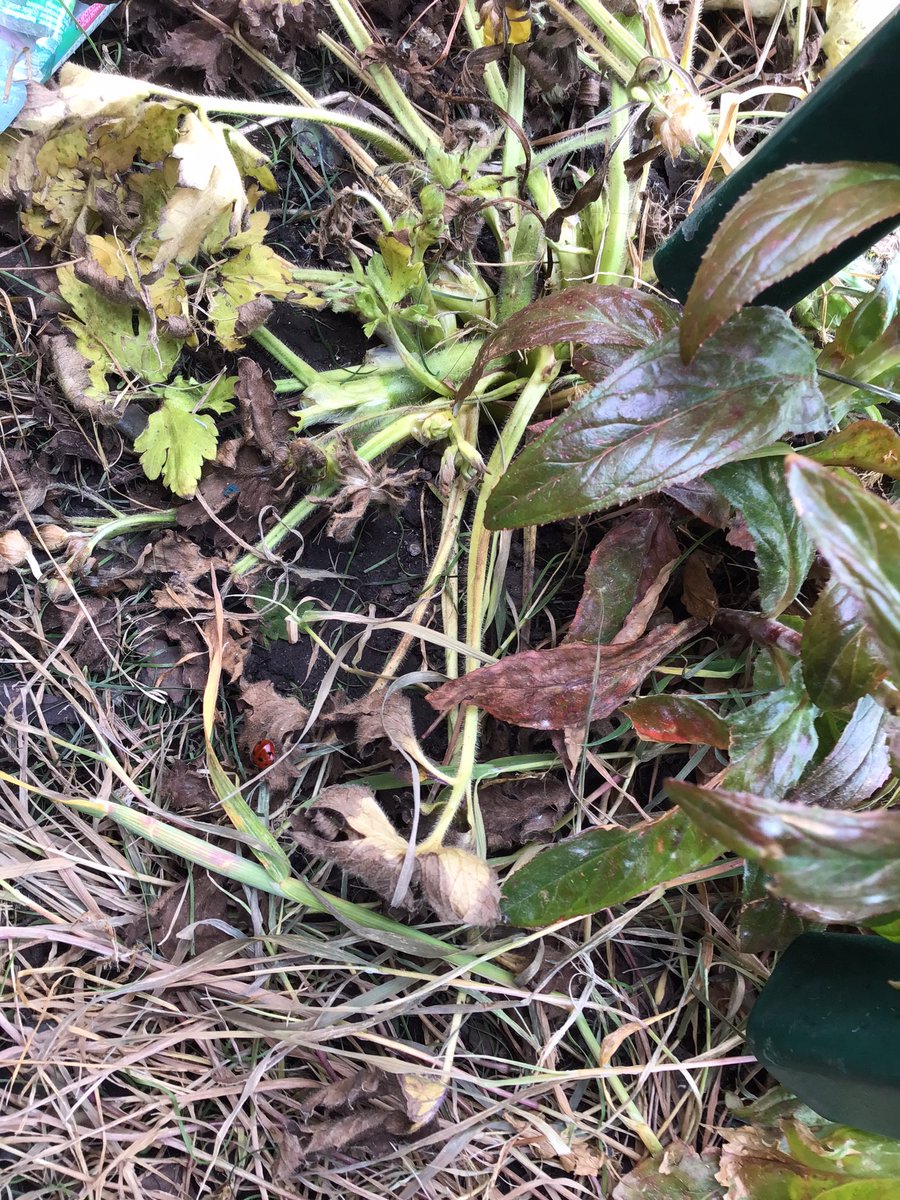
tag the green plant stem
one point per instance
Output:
(513, 151)
(612, 255)
(623, 42)
(241, 870)
(579, 141)
(397, 431)
(386, 142)
(493, 80)
(122, 525)
(622, 68)
(390, 91)
(305, 375)
(478, 583)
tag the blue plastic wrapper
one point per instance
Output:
(36, 37)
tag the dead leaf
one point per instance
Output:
(623, 567)
(269, 715)
(176, 555)
(385, 1109)
(185, 789)
(369, 846)
(362, 484)
(566, 686)
(699, 595)
(577, 1157)
(174, 655)
(268, 426)
(90, 629)
(197, 46)
(199, 905)
(520, 811)
(460, 887)
(679, 1174)
(290, 1156)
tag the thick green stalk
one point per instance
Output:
(478, 583)
(612, 256)
(286, 357)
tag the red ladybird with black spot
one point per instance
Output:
(263, 754)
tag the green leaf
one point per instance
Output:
(831, 865)
(865, 445)
(758, 490)
(178, 438)
(859, 536)
(840, 662)
(680, 1174)
(656, 422)
(611, 322)
(604, 867)
(858, 764)
(785, 222)
(773, 740)
(676, 720)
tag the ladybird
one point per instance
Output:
(263, 754)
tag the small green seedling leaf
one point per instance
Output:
(831, 865)
(656, 422)
(859, 536)
(179, 436)
(757, 489)
(604, 867)
(785, 222)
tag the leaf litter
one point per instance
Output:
(418, 1003)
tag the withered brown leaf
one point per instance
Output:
(566, 686)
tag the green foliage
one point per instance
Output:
(180, 435)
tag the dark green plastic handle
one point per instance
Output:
(827, 1026)
(854, 114)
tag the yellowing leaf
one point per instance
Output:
(460, 886)
(210, 187)
(114, 339)
(178, 437)
(254, 272)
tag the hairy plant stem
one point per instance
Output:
(478, 581)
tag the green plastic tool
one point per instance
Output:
(827, 1026)
(854, 114)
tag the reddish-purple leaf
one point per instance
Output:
(831, 865)
(785, 222)
(866, 445)
(857, 766)
(622, 569)
(566, 686)
(656, 422)
(677, 720)
(701, 499)
(633, 320)
(614, 321)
